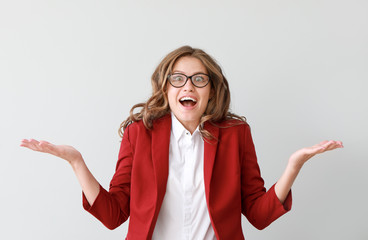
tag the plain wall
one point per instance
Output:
(71, 70)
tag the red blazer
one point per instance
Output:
(233, 184)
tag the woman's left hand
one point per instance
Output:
(296, 162)
(301, 156)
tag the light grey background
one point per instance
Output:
(71, 70)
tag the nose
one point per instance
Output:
(189, 86)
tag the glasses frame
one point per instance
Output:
(188, 77)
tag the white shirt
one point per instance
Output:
(184, 214)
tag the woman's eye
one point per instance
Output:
(178, 78)
(199, 79)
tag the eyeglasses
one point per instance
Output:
(199, 80)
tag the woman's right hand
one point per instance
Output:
(89, 184)
(66, 152)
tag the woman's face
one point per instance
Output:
(188, 103)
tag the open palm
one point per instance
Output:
(304, 154)
(66, 152)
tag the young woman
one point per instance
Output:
(187, 167)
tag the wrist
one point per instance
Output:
(77, 162)
(294, 166)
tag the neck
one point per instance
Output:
(190, 126)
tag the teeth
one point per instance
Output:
(187, 98)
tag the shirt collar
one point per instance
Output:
(178, 129)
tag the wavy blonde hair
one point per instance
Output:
(157, 105)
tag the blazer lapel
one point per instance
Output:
(160, 155)
(210, 147)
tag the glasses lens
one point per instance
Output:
(177, 80)
(200, 80)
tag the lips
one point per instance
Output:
(188, 101)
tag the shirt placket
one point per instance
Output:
(188, 183)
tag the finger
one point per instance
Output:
(40, 146)
(334, 145)
(311, 151)
(24, 142)
(331, 145)
(325, 145)
(323, 142)
(49, 148)
(36, 145)
(31, 144)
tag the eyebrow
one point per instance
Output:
(177, 71)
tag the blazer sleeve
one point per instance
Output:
(112, 207)
(260, 207)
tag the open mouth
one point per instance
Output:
(188, 101)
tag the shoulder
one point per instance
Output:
(233, 130)
(134, 127)
(139, 127)
(162, 121)
(231, 124)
